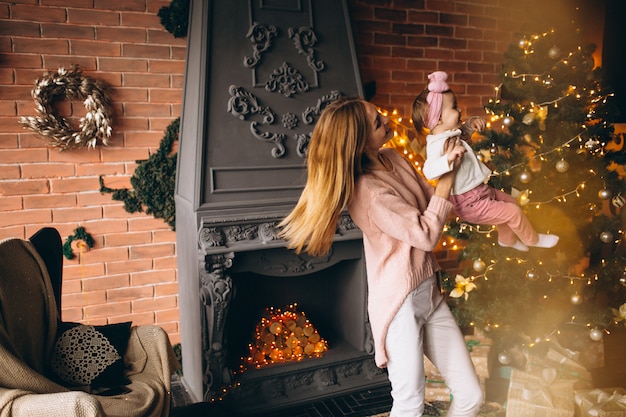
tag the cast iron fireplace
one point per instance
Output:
(259, 73)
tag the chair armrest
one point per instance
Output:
(20, 403)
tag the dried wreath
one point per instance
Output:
(72, 84)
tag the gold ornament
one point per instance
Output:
(562, 166)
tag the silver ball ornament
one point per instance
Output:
(504, 358)
(508, 121)
(554, 52)
(525, 177)
(532, 275)
(606, 237)
(604, 194)
(576, 299)
(562, 166)
(595, 334)
(478, 265)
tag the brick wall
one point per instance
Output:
(130, 274)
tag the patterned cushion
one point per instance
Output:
(90, 356)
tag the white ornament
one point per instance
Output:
(595, 335)
(504, 358)
(576, 299)
(562, 166)
(604, 194)
(478, 265)
(618, 201)
(508, 121)
(606, 237)
(554, 52)
(525, 177)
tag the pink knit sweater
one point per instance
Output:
(401, 220)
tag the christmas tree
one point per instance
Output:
(551, 143)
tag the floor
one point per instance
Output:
(360, 404)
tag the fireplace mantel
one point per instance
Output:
(259, 73)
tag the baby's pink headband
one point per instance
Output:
(436, 87)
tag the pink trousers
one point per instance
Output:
(486, 205)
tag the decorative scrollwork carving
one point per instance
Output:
(310, 112)
(267, 232)
(243, 104)
(345, 224)
(303, 144)
(210, 237)
(304, 39)
(261, 37)
(287, 80)
(242, 232)
(290, 120)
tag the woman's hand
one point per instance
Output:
(455, 150)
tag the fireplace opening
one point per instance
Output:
(333, 300)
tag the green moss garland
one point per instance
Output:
(79, 234)
(153, 182)
(175, 17)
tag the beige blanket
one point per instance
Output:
(28, 322)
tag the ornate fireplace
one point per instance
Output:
(259, 72)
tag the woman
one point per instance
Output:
(401, 217)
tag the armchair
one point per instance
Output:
(30, 306)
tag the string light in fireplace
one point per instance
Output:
(284, 336)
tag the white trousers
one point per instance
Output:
(424, 325)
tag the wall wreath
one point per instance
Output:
(95, 126)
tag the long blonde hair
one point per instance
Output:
(335, 158)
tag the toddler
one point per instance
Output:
(474, 201)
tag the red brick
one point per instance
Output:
(93, 17)
(146, 51)
(165, 316)
(72, 314)
(67, 185)
(144, 20)
(131, 5)
(130, 293)
(49, 201)
(67, 31)
(46, 170)
(153, 277)
(23, 187)
(12, 231)
(165, 262)
(9, 172)
(56, 61)
(19, 28)
(167, 66)
(107, 310)
(127, 238)
(72, 269)
(130, 266)
(11, 203)
(40, 216)
(166, 289)
(113, 64)
(94, 48)
(152, 251)
(36, 13)
(124, 154)
(83, 299)
(165, 95)
(76, 214)
(155, 304)
(106, 282)
(137, 319)
(121, 34)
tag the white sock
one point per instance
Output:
(517, 245)
(546, 241)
